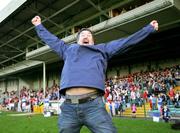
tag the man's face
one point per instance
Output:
(85, 38)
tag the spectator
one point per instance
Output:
(159, 102)
(165, 113)
(154, 102)
(133, 109)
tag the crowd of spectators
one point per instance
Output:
(154, 87)
(27, 98)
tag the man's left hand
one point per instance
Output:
(154, 23)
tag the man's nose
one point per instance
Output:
(85, 36)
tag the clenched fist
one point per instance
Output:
(36, 20)
(154, 23)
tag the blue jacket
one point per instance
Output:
(85, 66)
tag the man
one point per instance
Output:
(83, 76)
(165, 113)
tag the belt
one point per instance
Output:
(80, 99)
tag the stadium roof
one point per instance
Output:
(9, 6)
(19, 42)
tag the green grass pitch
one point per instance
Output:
(41, 124)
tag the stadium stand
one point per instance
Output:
(27, 66)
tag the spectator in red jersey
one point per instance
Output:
(171, 95)
(145, 95)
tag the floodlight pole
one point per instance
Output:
(44, 79)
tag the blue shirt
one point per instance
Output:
(85, 66)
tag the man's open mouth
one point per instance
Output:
(86, 42)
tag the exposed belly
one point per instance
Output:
(80, 91)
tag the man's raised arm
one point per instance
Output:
(123, 44)
(51, 40)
